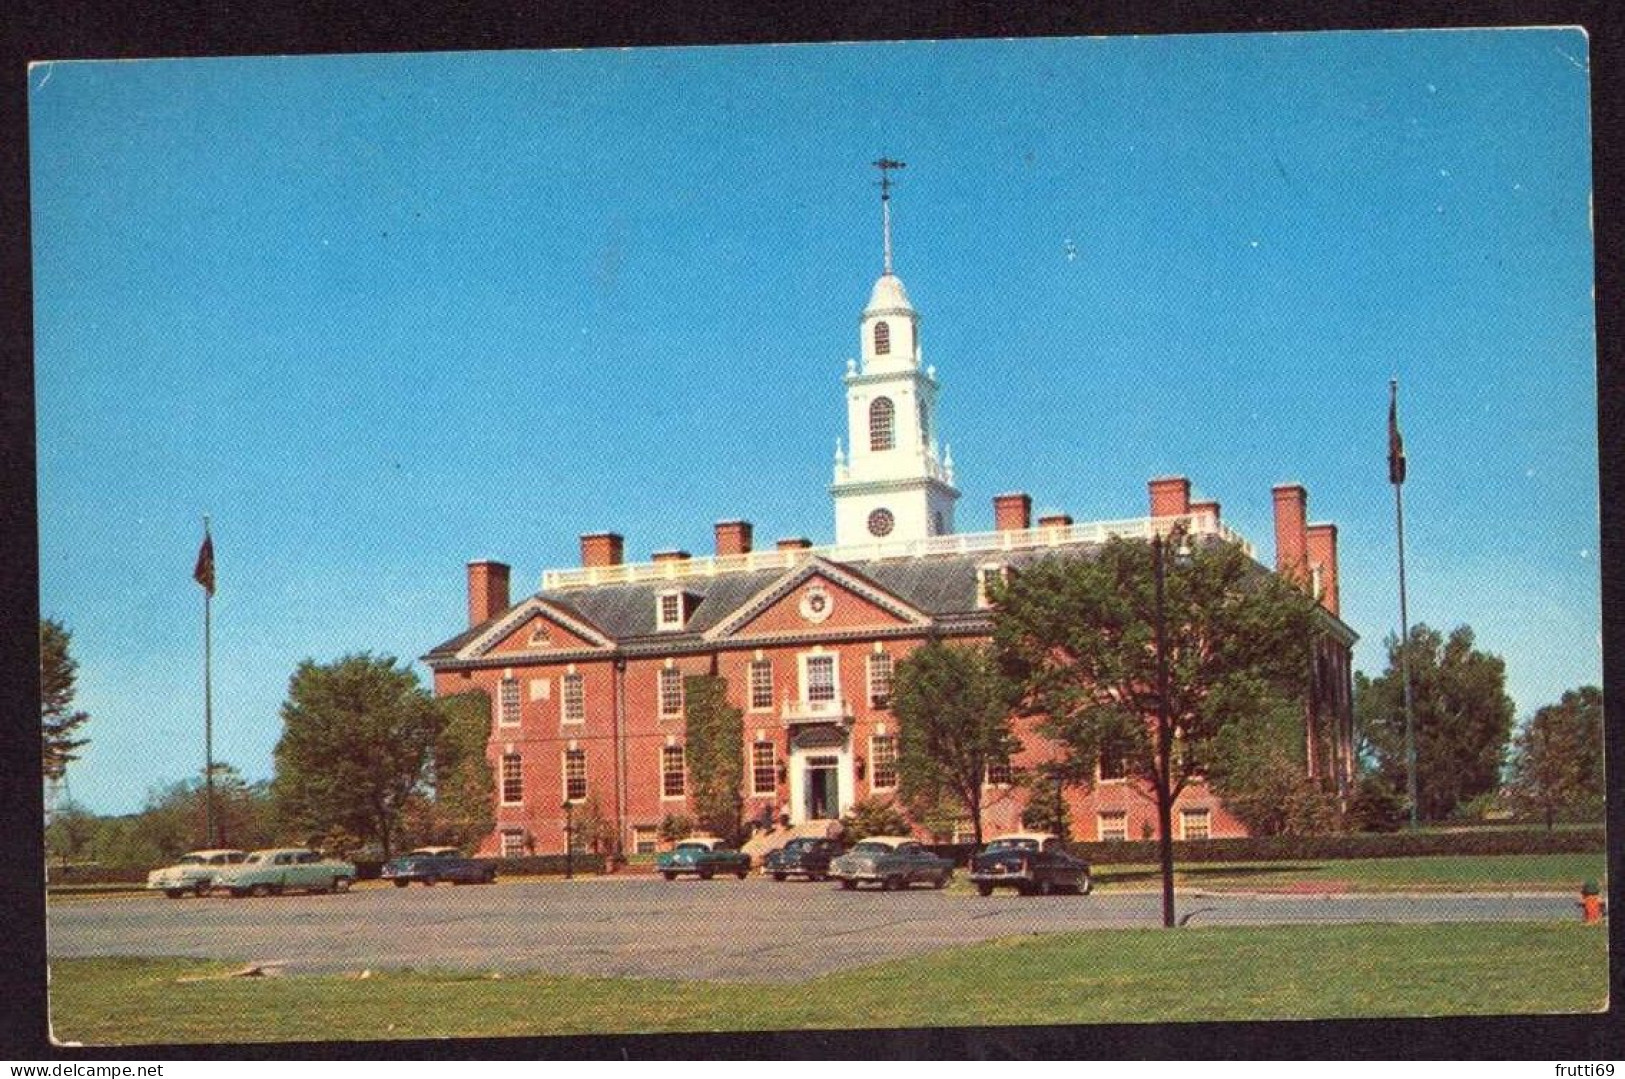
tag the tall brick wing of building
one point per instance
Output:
(585, 675)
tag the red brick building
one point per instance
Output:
(586, 675)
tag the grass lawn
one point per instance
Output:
(1447, 873)
(1123, 975)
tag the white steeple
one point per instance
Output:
(892, 485)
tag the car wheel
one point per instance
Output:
(174, 893)
(984, 890)
(1046, 886)
(705, 874)
(341, 884)
(1086, 885)
(779, 877)
(490, 876)
(400, 882)
(849, 885)
(817, 878)
(238, 893)
(431, 880)
(942, 881)
(260, 891)
(669, 875)
(890, 884)
(201, 891)
(741, 873)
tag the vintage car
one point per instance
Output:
(431, 865)
(892, 862)
(1033, 863)
(804, 856)
(194, 873)
(285, 869)
(704, 856)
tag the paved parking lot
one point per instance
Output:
(724, 929)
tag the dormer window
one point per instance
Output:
(986, 575)
(882, 338)
(672, 609)
(882, 424)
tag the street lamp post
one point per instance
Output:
(569, 840)
(1165, 732)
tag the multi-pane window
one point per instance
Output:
(761, 685)
(575, 774)
(883, 761)
(669, 610)
(1113, 763)
(671, 692)
(764, 768)
(1112, 825)
(882, 338)
(671, 772)
(513, 844)
(508, 700)
(645, 839)
(999, 773)
(880, 670)
(1194, 824)
(820, 685)
(513, 779)
(882, 424)
(575, 700)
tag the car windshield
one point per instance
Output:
(1013, 844)
(692, 846)
(428, 854)
(192, 859)
(871, 848)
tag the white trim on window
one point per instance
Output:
(764, 764)
(508, 701)
(512, 779)
(513, 843)
(573, 770)
(572, 699)
(759, 685)
(669, 693)
(882, 759)
(880, 680)
(1111, 824)
(669, 753)
(1190, 817)
(823, 692)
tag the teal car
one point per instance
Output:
(704, 857)
(286, 869)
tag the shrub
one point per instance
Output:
(675, 826)
(873, 816)
(1369, 845)
(1376, 807)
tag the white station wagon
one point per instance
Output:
(286, 869)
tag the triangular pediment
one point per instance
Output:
(536, 627)
(818, 596)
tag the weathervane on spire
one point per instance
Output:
(885, 165)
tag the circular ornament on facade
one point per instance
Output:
(816, 604)
(881, 523)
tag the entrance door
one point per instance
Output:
(823, 788)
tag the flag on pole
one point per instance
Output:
(203, 572)
(1396, 444)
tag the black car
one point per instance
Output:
(1031, 863)
(431, 865)
(801, 857)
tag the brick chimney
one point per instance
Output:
(1207, 508)
(1012, 512)
(794, 543)
(1292, 532)
(487, 591)
(670, 556)
(733, 537)
(602, 549)
(1055, 520)
(1170, 496)
(1323, 559)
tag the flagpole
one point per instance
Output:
(208, 703)
(1396, 475)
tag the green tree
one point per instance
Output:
(591, 828)
(1046, 809)
(1258, 766)
(953, 712)
(873, 816)
(714, 755)
(174, 818)
(1557, 759)
(357, 739)
(1079, 637)
(58, 721)
(70, 832)
(1462, 719)
(457, 808)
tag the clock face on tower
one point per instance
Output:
(881, 523)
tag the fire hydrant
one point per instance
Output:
(1591, 904)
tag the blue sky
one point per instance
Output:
(381, 315)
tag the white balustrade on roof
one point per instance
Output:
(968, 543)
